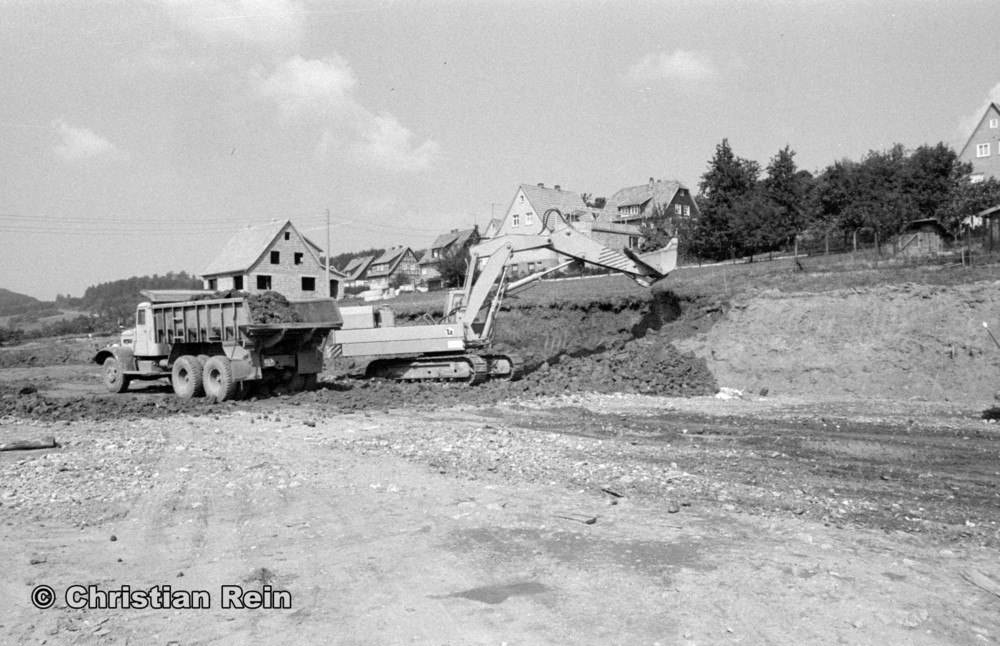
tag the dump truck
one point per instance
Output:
(214, 347)
(457, 347)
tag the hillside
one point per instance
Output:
(14, 304)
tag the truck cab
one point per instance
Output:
(144, 343)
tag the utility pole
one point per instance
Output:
(329, 282)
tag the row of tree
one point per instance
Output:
(746, 210)
(115, 301)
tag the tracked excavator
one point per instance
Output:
(457, 347)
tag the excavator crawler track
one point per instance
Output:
(469, 368)
(507, 367)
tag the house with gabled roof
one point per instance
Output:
(982, 149)
(526, 216)
(356, 271)
(491, 228)
(656, 199)
(396, 262)
(273, 257)
(455, 241)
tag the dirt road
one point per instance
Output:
(462, 525)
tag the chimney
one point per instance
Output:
(558, 188)
(650, 182)
(541, 184)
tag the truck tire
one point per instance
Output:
(113, 377)
(186, 377)
(218, 379)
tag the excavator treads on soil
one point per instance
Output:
(469, 368)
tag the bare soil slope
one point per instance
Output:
(893, 342)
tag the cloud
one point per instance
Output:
(321, 91)
(969, 122)
(677, 66)
(81, 143)
(269, 23)
(310, 87)
(387, 143)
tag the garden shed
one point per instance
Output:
(923, 238)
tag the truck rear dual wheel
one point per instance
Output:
(218, 379)
(186, 377)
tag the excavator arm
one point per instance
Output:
(487, 275)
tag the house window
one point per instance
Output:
(515, 220)
(237, 282)
(288, 235)
(298, 258)
(308, 284)
(514, 271)
(983, 150)
(531, 267)
(633, 242)
(687, 210)
(263, 281)
(994, 123)
(678, 209)
(275, 257)
(975, 179)
(527, 219)
(213, 283)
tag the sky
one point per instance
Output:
(137, 137)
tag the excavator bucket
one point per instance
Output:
(659, 263)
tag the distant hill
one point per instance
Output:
(13, 304)
(112, 303)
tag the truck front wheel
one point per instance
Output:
(218, 379)
(186, 377)
(113, 377)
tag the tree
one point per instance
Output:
(725, 194)
(968, 199)
(592, 202)
(784, 189)
(934, 174)
(452, 265)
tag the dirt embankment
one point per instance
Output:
(894, 342)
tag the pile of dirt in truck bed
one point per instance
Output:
(271, 307)
(265, 307)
